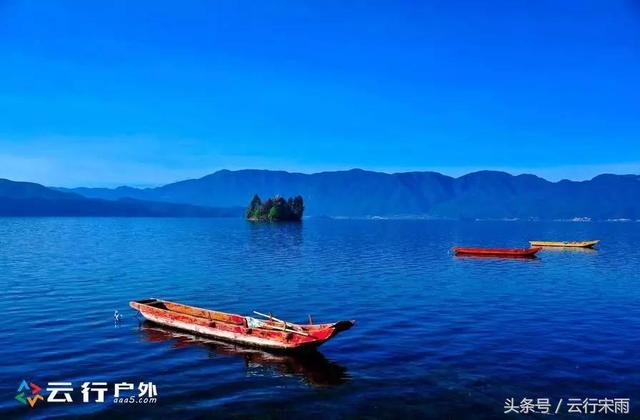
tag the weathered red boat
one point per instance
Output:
(497, 252)
(271, 332)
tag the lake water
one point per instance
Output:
(437, 335)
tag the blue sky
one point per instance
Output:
(149, 93)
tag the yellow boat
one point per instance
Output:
(566, 244)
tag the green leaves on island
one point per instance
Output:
(276, 209)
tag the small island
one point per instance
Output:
(276, 209)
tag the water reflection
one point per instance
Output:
(287, 234)
(312, 367)
(496, 257)
(569, 249)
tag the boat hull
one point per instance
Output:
(497, 252)
(565, 244)
(234, 328)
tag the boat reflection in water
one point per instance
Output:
(312, 367)
(584, 250)
(529, 258)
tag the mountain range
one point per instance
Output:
(360, 193)
(30, 199)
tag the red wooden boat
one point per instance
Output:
(497, 252)
(271, 332)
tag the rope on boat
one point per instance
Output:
(137, 315)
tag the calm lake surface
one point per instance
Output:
(437, 335)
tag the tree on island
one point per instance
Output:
(275, 209)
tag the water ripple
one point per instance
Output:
(436, 336)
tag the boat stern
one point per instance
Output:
(328, 331)
(343, 325)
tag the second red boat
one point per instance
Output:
(497, 252)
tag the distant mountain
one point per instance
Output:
(29, 199)
(358, 193)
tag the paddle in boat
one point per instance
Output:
(565, 244)
(270, 332)
(497, 252)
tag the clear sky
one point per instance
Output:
(107, 93)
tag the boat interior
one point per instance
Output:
(194, 311)
(236, 319)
